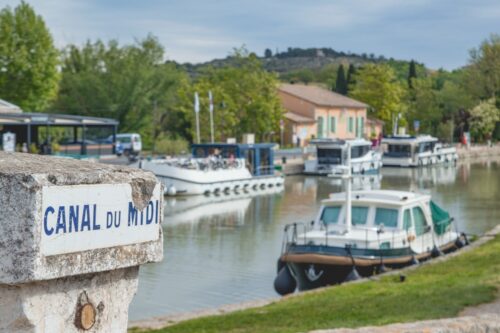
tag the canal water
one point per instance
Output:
(223, 249)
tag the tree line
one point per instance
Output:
(135, 85)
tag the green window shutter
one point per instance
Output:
(333, 124)
(350, 125)
(320, 127)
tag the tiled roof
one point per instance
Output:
(320, 96)
(297, 118)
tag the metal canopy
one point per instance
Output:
(53, 119)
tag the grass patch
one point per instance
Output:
(431, 292)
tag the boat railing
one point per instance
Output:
(374, 238)
(291, 233)
(206, 164)
(265, 169)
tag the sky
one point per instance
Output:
(438, 33)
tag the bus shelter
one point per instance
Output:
(66, 135)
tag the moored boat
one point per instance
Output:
(414, 151)
(216, 168)
(384, 230)
(331, 157)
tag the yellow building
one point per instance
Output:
(315, 112)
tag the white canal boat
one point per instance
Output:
(414, 151)
(331, 157)
(387, 229)
(216, 168)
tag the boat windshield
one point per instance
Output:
(400, 150)
(359, 215)
(330, 215)
(387, 217)
(329, 155)
(359, 151)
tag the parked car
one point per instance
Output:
(128, 143)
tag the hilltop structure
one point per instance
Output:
(315, 112)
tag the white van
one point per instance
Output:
(130, 143)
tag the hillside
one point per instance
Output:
(312, 64)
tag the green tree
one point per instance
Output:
(351, 72)
(28, 59)
(423, 105)
(245, 99)
(341, 84)
(483, 72)
(412, 74)
(129, 83)
(484, 117)
(377, 86)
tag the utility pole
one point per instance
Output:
(196, 112)
(211, 109)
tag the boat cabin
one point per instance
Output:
(398, 214)
(406, 146)
(259, 157)
(333, 151)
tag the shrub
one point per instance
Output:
(171, 146)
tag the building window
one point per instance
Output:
(350, 125)
(333, 124)
(320, 127)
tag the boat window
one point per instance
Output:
(359, 151)
(386, 216)
(398, 151)
(330, 215)
(407, 220)
(329, 156)
(359, 215)
(419, 219)
(265, 165)
(425, 146)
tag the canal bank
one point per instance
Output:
(443, 282)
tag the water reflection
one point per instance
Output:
(222, 250)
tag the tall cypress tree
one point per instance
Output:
(350, 76)
(341, 84)
(412, 74)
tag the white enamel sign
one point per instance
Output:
(85, 217)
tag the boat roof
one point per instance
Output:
(391, 197)
(409, 139)
(339, 142)
(239, 145)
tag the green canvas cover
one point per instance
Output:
(440, 218)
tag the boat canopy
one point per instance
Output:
(440, 218)
(259, 157)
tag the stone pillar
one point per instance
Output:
(72, 237)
